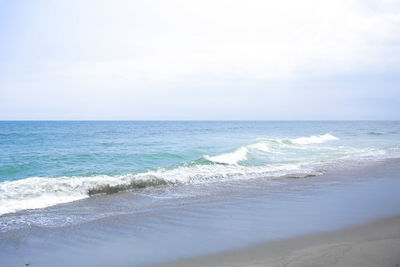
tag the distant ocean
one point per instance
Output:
(44, 163)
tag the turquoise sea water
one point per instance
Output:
(43, 163)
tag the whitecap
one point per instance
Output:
(41, 192)
(230, 158)
(314, 139)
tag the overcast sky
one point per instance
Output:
(268, 60)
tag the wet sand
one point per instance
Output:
(375, 243)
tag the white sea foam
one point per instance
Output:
(40, 192)
(265, 146)
(315, 139)
(230, 158)
(261, 146)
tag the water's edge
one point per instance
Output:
(235, 217)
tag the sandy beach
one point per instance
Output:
(375, 243)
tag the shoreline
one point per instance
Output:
(237, 228)
(374, 243)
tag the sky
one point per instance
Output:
(200, 60)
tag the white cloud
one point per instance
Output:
(124, 51)
(268, 40)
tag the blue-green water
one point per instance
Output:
(43, 163)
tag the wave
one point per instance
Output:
(261, 146)
(314, 139)
(230, 158)
(134, 184)
(41, 192)
(241, 153)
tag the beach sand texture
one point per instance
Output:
(375, 243)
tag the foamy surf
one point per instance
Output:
(40, 192)
(314, 139)
(279, 157)
(230, 158)
(266, 145)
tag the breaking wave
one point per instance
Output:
(230, 158)
(40, 192)
(133, 184)
(240, 154)
(315, 139)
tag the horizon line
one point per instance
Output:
(189, 120)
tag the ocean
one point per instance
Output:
(44, 163)
(164, 190)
